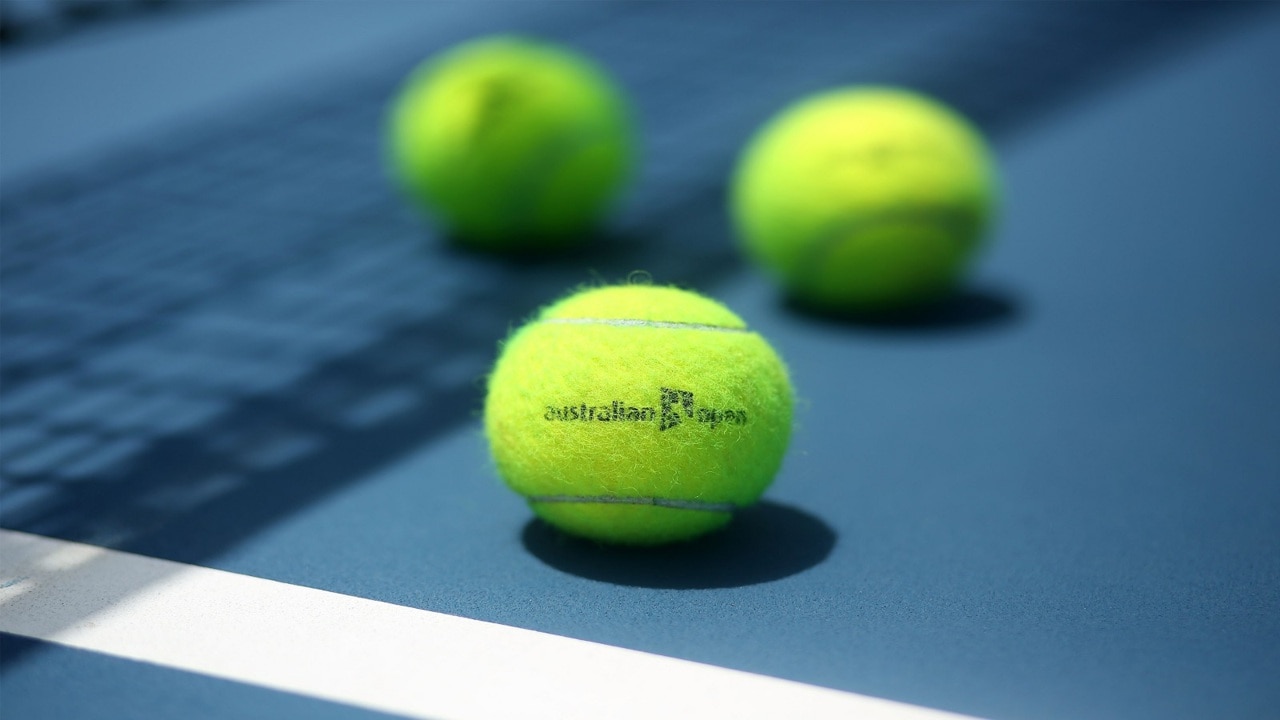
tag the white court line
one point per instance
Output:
(372, 654)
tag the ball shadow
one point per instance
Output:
(766, 542)
(596, 246)
(970, 308)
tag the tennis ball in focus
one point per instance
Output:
(865, 199)
(638, 414)
(512, 143)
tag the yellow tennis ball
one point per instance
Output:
(512, 143)
(638, 414)
(865, 199)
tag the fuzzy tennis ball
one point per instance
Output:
(638, 414)
(512, 143)
(865, 199)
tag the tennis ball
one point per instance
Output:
(512, 143)
(638, 414)
(865, 199)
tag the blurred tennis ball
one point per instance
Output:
(512, 143)
(865, 199)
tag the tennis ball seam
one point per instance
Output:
(629, 500)
(842, 227)
(523, 196)
(632, 322)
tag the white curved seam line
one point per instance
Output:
(625, 322)
(653, 501)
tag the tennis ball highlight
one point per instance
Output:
(638, 414)
(865, 199)
(513, 144)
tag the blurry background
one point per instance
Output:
(226, 340)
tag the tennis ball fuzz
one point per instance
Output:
(865, 199)
(513, 144)
(638, 414)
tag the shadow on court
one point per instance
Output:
(969, 309)
(766, 542)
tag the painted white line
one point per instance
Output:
(371, 654)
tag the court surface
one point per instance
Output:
(242, 472)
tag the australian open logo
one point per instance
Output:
(674, 408)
